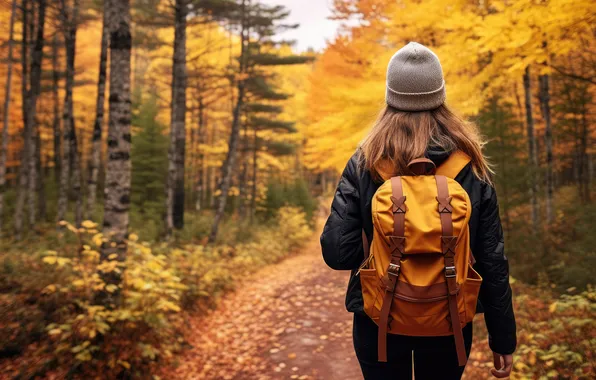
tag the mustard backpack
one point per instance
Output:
(417, 278)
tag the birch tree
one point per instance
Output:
(118, 167)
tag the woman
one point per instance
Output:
(415, 123)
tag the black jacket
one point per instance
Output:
(341, 243)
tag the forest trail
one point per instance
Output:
(286, 321)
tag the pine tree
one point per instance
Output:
(257, 24)
(505, 134)
(149, 159)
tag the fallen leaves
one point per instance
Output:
(293, 306)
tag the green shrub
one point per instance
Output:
(295, 193)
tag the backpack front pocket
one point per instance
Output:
(369, 282)
(471, 289)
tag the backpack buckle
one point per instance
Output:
(393, 269)
(450, 272)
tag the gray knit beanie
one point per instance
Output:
(415, 79)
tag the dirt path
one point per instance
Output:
(286, 321)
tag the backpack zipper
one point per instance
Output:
(419, 300)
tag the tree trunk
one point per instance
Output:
(253, 197)
(242, 194)
(226, 170)
(532, 156)
(40, 184)
(23, 176)
(548, 144)
(77, 175)
(69, 153)
(56, 104)
(176, 153)
(118, 168)
(4, 147)
(586, 176)
(504, 186)
(210, 180)
(200, 181)
(35, 90)
(97, 127)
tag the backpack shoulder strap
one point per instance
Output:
(454, 164)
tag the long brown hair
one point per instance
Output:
(398, 137)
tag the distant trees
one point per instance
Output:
(223, 53)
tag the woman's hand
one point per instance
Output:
(503, 365)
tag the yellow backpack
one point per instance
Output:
(417, 278)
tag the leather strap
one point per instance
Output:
(365, 245)
(397, 246)
(422, 166)
(448, 242)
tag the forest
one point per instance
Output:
(155, 153)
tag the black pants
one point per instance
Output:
(434, 357)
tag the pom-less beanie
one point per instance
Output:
(415, 79)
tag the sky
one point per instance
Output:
(312, 16)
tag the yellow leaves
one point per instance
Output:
(89, 224)
(55, 332)
(532, 358)
(137, 283)
(50, 289)
(111, 288)
(97, 239)
(50, 260)
(124, 364)
(60, 261)
(108, 266)
(168, 306)
(553, 307)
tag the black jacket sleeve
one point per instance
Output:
(492, 265)
(341, 240)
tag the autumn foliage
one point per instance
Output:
(225, 139)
